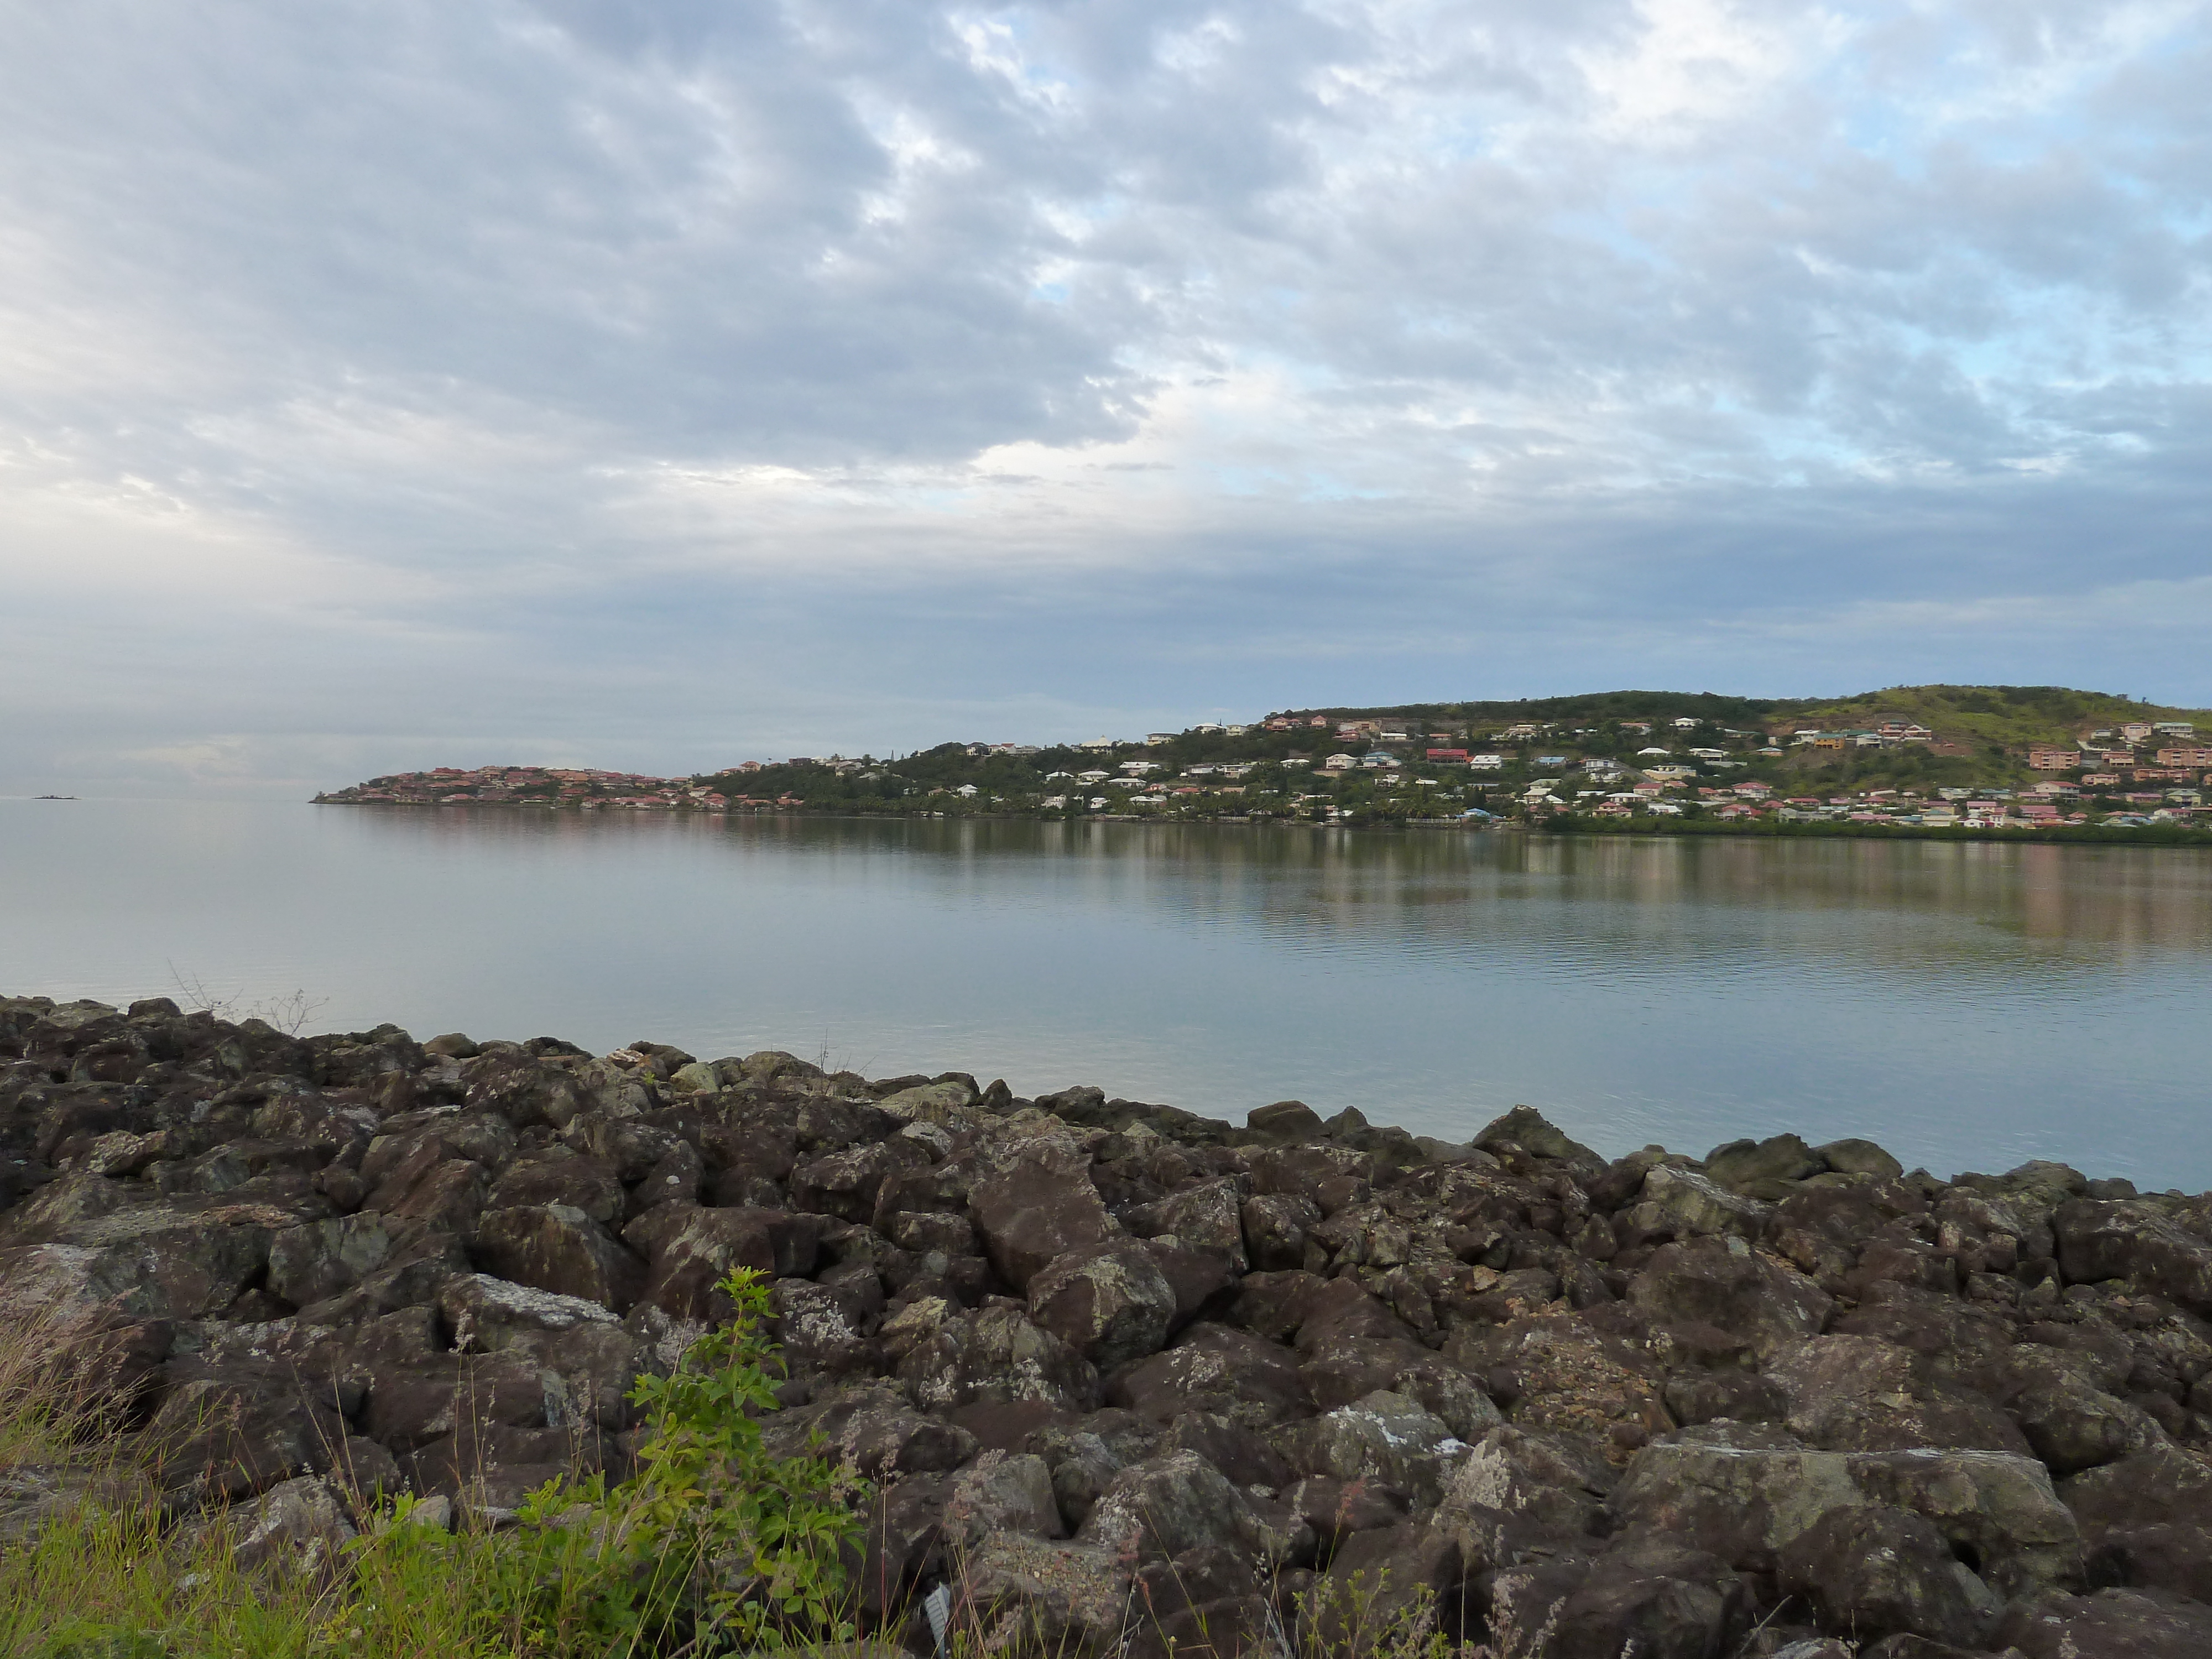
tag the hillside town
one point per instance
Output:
(1658, 770)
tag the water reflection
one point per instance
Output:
(1961, 1001)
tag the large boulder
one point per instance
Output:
(845, 1184)
(999, 1493)
(1177, 1501)
(1863, 1394)
(2072, 1424)
(1206, 1216)
(1532, 1132)
(227, 1432)
(299, 1528)
(1278, 1229)
(1038, 1208)
(1683, 1204)
(1031, 1595)
(1872, 1571)
(1219, 1369)
(556, 1248)
(1555, 1482)
(1761, 1169)
(1284, 1120)
(1648, 1596)
(1851, 1155)
(181, 1260)
(2148, 1521)
(314, 1262)
(1558, 1374)
(2111, 1624)
(1110, 1303)
(1726, 1285)
(1385, 1437)
(1745, 1503)
(821, 1331)
(687, 1249)
(486, 1313)
(873, 1427)
(2137, 1240)
(580, 1182)
(996, 1354)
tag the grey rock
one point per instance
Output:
(1067, 1598)
(1001, 1494)
(312, 1263)
(551, 1246)
(1286, 1120)
(1745, 1505)
(1875, 1570)
(996, 1354)
(1511, 1471)
(297, 1528)
(1177, 1501)
(1386, 1437)
(1744, 1165)
(1530, 1130)
(487, 1314)
(1037, 1209)
(1110, 1303)
(1853, 1157)
(1682, 1204)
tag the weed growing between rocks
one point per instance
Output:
(714, 1546)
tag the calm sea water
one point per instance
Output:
(1969, 1006)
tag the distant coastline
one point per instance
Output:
(1928, 762)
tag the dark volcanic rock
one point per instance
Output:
(1872, 1570)
(1103, 1356)
(556, 1247)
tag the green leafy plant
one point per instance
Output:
(717, 1530)
(713, 1545)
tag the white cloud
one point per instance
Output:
(417, 354)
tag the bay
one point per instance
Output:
(1968, 1005)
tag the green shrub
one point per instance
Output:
(713, 1544)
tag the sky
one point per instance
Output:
(661, 385)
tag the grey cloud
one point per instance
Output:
(1526, 337)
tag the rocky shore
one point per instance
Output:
(1130, 1377)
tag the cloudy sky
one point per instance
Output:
(664, 384)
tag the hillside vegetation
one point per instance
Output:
(1936, 757)
(2010, 716)
(2014, 716)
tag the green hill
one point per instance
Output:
(2011, 717)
